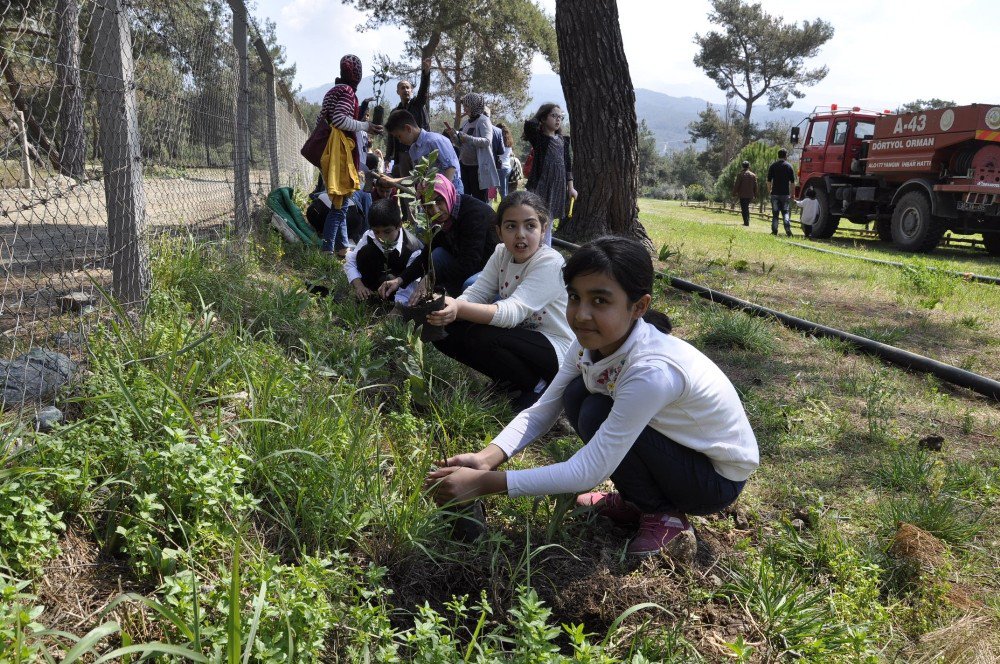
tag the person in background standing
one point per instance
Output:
(341, 110)
(745, 189)
(810, 211)
(475, 147)
(417, 107)
(504, 161)
(552, 168)
(780, 178)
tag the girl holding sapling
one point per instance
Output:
(655, 414)
(511, 323)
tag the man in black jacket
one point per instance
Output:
(417, 107)
(780, 178)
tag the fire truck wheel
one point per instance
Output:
(884, 229)
(913, 227)
(992, 242)
(826, 224)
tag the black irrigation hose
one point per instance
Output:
(968, 276)
(891, 354)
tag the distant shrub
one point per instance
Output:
(696, 192)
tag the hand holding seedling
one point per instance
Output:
(468, 476)
(454, 484)
(419, 292)
(474, 460)
(389, 287)
(445, 316)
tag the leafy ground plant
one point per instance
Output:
(250, 458)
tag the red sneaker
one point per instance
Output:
(656, 531)
(610, 505)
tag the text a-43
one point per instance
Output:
(916, 123)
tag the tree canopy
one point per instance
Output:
(924, 105)
(476, 45)
(756, 54)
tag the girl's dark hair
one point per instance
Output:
(544, 110)
(625, 261)
(811, 193)
(508, 138)
(524, 197)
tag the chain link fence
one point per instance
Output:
(122, 120)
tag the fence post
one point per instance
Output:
(241, 139)
(270, 104)
(28, 177)
(128, 248)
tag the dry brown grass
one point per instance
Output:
(78, 585)
(972, 639)
(917, 547)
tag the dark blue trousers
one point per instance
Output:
(657, 474)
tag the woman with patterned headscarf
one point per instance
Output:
(341, 111)
(475, 148)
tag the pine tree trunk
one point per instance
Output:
(70, 132)
(605, 135)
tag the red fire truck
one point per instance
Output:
(915, 175)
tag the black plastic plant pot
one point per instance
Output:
(470, 521)
(418, 314)
(378, 115)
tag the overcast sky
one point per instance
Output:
(883, 53)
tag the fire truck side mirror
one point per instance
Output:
(793, 136)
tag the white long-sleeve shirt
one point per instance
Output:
(351, 263)
(810, 210)
(655, 380)
(532, 294)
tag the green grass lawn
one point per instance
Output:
(944, 317)
(252, 450)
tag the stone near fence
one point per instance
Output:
(47, 418)
(75, 301)
(68, 339)
(35, 375)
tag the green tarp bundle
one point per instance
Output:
(288, 219)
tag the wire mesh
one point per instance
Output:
(120, 123)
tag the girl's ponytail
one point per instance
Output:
(659, 320)
(627, 262)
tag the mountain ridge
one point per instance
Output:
(666, 116)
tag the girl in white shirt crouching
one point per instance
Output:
(655, 414)
(511, 323)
